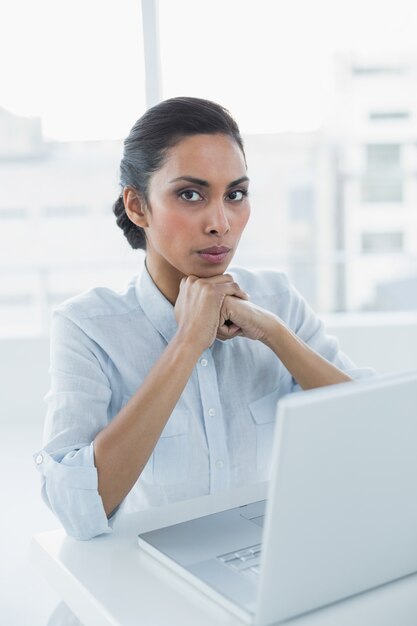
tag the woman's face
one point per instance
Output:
(198, 208)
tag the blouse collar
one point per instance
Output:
(158, 310)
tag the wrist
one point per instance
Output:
(273, 328)
(188, 344)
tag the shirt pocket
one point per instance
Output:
(263, 412)
(170, 455)
(169, 459)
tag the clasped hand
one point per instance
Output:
(216, 307)
(240, 317)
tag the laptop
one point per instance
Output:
(340, 516)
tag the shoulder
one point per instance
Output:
(99, 302)
(262, 282)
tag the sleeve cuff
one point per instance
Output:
(70, 488)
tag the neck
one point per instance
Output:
(167, 279)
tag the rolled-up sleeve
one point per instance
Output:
(77, 409)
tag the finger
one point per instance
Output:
(189, 279)
(223, 281)
(233, 289)
(228, 332)
(241, 294)
(226, 278)
(226, 325)
(219, 279)
(231, 329)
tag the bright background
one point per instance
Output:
(325, 93)
(79, 65)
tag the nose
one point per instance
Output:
(218, 222)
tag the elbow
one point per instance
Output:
(82, 534)
(80, 511)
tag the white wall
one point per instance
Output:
(385, 341)
(24, 380)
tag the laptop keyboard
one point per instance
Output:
(244, 560)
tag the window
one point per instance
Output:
(296, 106)
(65, 211)
(383, 179)
(301, 204)
(379, 70)
(387, 116)
(62, 125)
(13, 214)
(382, 243)
(61, 130)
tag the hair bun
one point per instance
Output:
(134, 234)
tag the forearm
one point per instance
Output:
(308, 368)
(123, 448)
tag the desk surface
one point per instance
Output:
(108, 581)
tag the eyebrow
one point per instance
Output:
(205, 183)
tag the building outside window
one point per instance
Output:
(332, 162)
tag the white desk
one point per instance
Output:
(108, 581)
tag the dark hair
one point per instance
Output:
(158, 130)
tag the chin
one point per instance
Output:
(203, 270)
(211, 270)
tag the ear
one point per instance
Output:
(135, 207)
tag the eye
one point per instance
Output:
(237, 195)
(190, 195)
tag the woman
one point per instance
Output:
(168, 390)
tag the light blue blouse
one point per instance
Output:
(103, 344)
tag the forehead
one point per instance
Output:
(211, 157)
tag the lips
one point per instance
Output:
(214, 254)
(215, 250)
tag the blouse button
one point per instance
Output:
(39, 459)
(203, 362)
(219, 464)
(212, 412)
